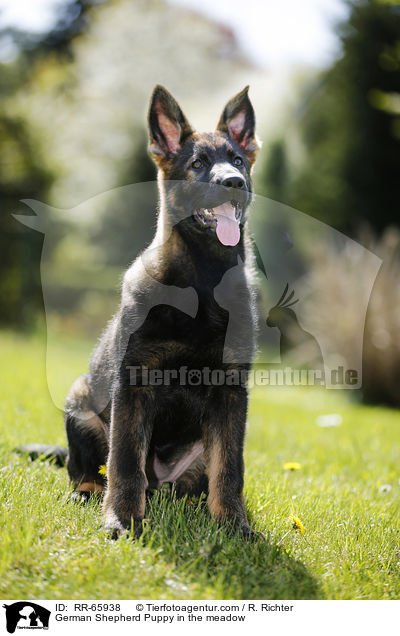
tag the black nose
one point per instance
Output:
(233, 182)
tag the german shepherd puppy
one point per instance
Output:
(191, 435)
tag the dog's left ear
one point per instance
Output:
(238, 122)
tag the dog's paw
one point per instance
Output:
(250, 534)
(83, 496)
(116, 529)
(113, 526)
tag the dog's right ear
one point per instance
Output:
(168, 126)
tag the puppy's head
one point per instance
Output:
(207, 175)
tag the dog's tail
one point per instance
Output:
(57, 454)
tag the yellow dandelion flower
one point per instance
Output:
(296, 524)
(291, 466)
(103, 470)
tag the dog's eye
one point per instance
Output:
(197, 164)
(238, 161)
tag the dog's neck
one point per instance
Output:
(164, 223)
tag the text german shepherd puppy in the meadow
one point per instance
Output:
(192, 435)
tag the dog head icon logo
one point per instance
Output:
(26, 615)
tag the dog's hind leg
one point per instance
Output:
(87, 441)
(194, 481)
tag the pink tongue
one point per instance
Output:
(228, 230)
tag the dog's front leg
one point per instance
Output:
(131, 425)
(223, 438)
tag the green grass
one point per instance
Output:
(52, 548)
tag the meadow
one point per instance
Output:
(326, 498)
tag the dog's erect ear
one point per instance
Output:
(238, 122)
(168, 125)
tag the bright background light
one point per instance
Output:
(279, 32)
(272, 33)
(31, 15)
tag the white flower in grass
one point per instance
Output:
(330, 419)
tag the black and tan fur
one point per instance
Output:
(109, 421)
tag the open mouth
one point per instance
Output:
(224, 219)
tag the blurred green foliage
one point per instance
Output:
(24, 171)
(21, 176)
(347, 171)
(132, 219)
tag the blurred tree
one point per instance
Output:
(128, 226)
(276, 171)
(21, 176)
(24, 172)
(350, 129)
